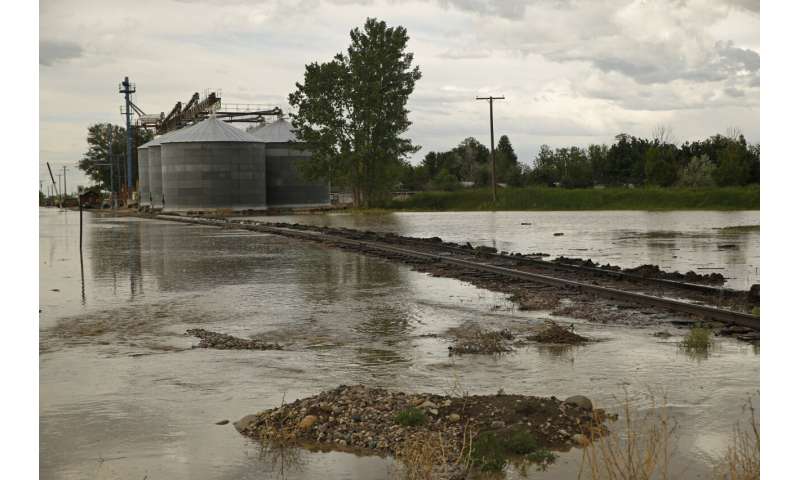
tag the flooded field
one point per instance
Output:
(689, 240)
(123, 395)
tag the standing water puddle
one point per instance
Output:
(122, 394)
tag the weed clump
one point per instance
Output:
(697, 340)
(410, 417)
(491, 452)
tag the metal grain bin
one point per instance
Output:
(154, 170)
(285, 185)
(144, 176)
(212, 165)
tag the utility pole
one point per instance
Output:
(128, 88)
(111, 163)
(65, 179)
(61, 196)
(491, 132)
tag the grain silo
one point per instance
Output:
(212, 165)
(155, 174)
(285, 186)
(144, 175)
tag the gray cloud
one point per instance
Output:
(54, 51)
(511, 9)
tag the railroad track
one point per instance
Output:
(317, 235)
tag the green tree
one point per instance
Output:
(508, 168)
(699, 172)
(660, 165)
(97, 154)
(352, 112)
(733, 166)
(545, 169)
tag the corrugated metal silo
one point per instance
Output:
(155, 172)
(285, 186)
(144, 174)
(212, 165)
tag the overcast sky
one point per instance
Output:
(573, 72)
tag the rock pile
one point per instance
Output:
(222, 341)
(360, 418)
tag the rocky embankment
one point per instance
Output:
(379, 421)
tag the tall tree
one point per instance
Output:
(508, 169)
(352, 112)
(95, 160)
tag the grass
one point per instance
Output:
(429, 456)
(639, 450)
(697, 340)
(742, 460)
(545, 198)
(410, 417)
(491, 452)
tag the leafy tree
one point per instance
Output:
(577, 168)
(352, 112)
(545, 169)
(508, 168)
(733, 167)
(661, 167)
(699, 172)
(598, 158)
(445, 180)
(626, 162)
(97, 154)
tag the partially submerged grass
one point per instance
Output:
(410, 417)
(491, 452)
(639, 450)
(742, 460)
(428, 456)
(698, 340)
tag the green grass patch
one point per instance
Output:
(546, 198)
(410, 417)
(491, 452)
(697, 340)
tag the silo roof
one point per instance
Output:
(279, 131)
(159, 139)
(210, 130)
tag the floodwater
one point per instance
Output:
(122, 394)
(694, 240)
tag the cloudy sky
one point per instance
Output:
(573, 72)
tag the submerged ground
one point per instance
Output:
(123, 396)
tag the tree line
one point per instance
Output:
(720, 160)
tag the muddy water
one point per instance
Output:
(122, 394)
(674, 240)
